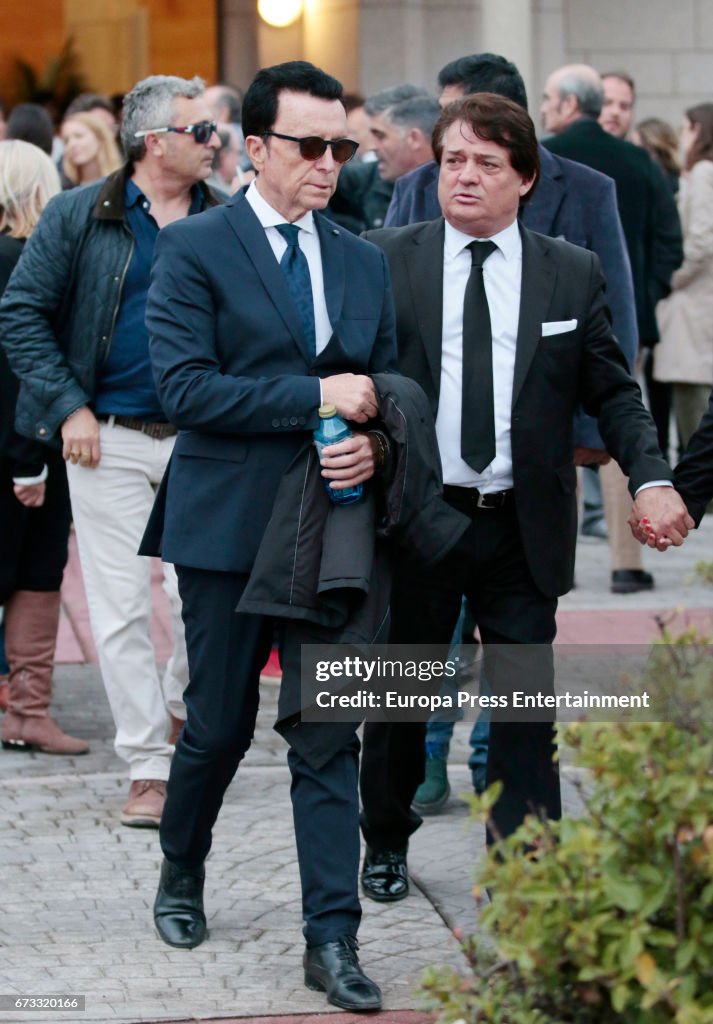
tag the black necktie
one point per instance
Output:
(477, 425)
(295, 267)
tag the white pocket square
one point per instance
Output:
(558, 327)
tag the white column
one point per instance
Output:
(506, 28)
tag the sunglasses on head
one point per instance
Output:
(312, 147)
(201, 131)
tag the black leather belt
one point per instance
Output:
(158, 431)
(470, 498)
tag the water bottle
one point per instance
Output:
(331, 430)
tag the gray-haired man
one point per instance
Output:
(400, 123)
(72, 323)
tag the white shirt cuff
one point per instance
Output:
(653, 483)
(28, 481)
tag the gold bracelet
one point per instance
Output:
(380, 455)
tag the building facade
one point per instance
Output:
(370, 44)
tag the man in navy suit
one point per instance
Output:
(257, 316)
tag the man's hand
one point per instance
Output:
(660, 518)
(591, 457)
(348, 463)
(80, 438)
(352, 394)
(30, 495)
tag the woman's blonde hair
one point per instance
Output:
(28, 180)
(108, 156)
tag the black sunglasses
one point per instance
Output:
(312, 147)
(201, 131)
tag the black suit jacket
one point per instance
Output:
(234, 373)
(693, 476)
(647, 209)
(553, 375)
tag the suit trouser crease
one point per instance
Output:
(226, 652)
(110, 506)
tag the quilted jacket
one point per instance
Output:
(58, 312)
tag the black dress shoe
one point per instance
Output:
(178, 909)
(631, 581)
(334, 968)
(384, 877)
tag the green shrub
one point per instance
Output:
(607, 917)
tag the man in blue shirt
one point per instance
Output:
(73, 326)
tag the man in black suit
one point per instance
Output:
(257, 317)
(693, 476)
(507, 331)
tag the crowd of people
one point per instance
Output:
(184, 286)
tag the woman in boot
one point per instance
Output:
(34, 500)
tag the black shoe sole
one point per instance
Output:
(383, 899)
(316, 986)
(630, 588)
(180, 945)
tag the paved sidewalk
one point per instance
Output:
(78, 888)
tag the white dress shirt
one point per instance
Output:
(502, 276)
(308, 240)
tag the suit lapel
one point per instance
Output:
(424, 264)
(538, 280)
(332, 267)
(251, 235)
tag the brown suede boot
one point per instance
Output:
(31, 621)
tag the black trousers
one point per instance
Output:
(226, 652)
(33, 541)
(488, 565)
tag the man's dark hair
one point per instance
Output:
(31, 123)
(496, 119)
(485, 72)
(88, 101)
(261, 99)
(702, 148)
(623, 76)
(352, 101)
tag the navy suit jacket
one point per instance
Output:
(571, 201)
(234, 373)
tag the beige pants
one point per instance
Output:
(110, 506)
(624, 550)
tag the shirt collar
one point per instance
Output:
(133, 196)
(132, 193)
(269, 217)
(508, 241)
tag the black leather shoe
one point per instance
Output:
(631, 581)
(334, 968)
(384, 877)
(178, 909)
